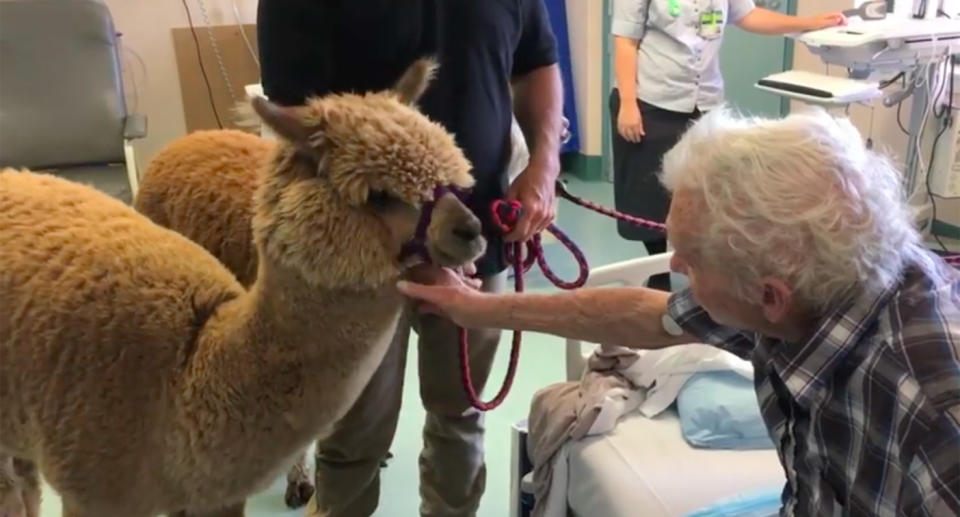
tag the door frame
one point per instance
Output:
(606, 155)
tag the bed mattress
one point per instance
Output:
(645, 467)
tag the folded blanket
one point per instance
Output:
(572, 410)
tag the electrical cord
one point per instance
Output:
(916, 166)
(203, 69)
(947, 122)
(243, 34)
(216, 51)
(933, 201)
(888, 82)
(899, 123)
(948, 64)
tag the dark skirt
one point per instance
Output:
(636, 167)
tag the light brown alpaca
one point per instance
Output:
(138, 374)
(202, 186)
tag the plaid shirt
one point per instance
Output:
(866, 414)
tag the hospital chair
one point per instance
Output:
(62, 107)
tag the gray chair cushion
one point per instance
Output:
(61, 95)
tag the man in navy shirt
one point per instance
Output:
(497, 58)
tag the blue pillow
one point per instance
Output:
(719, 410)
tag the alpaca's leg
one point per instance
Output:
(30, 485)
(299, 484)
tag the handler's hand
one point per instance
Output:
(535, 189)
(446, 293)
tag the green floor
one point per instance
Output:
(541, 363)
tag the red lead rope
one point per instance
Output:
(505, 215)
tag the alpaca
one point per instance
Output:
(202, 186)
(140, 377)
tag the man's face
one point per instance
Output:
(711, 288)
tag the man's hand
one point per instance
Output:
(823, 21)
(630, 122)
(446, 293)
(535, 188)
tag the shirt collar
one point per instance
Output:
(806, 370)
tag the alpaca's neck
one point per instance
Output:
(278, 365)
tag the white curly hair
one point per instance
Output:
(799, 198)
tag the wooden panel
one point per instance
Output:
(198, 100)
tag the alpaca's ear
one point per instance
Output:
(415, 80)
(282, 120)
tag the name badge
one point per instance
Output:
(710, 25)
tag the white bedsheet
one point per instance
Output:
(644, 467)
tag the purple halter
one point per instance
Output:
(417, 246)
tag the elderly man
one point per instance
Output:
(801, 255)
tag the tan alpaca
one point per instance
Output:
(140, 376)
(202, 186)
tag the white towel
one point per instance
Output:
(664, 372)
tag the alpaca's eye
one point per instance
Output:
(379, 198)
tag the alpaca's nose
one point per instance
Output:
(467, 232)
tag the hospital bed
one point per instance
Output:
(644, 467)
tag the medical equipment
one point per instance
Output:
(917, 50)
(876, 10)
(891, 44)
(820, 89)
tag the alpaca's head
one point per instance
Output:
(345, 190)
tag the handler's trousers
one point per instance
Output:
(452, 469)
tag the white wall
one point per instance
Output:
(585, 26)
(146, 26)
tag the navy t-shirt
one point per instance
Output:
(323, 46)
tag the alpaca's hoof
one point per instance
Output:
(298, 494)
